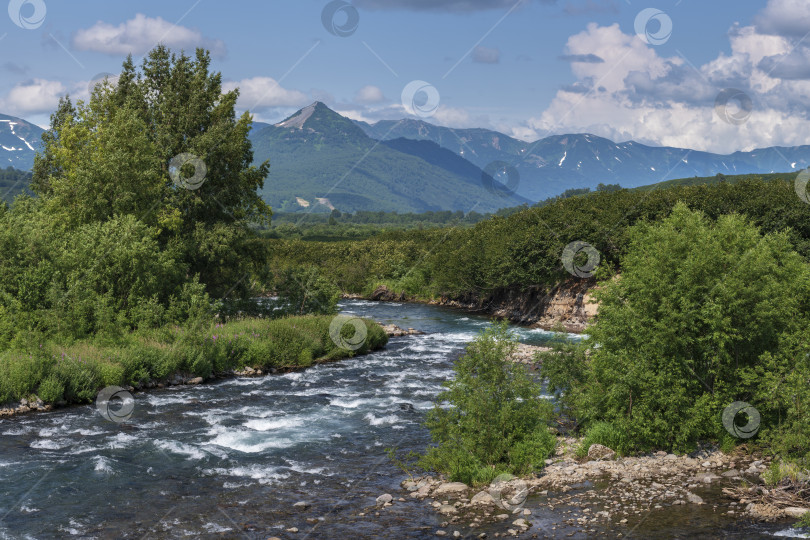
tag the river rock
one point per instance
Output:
(385, 498)
(692, 498)
(302, 505)
(195, 380)
(383, 294)
(733, 473)
(482, 497)
(522, 523)
(450, 488)
(795, 511)
(599, 451)
(447, 509)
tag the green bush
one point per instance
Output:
(607, 435)
(51, 390)
(497, 421)
(703, 314)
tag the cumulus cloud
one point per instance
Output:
(784, 18)
(369, 94)
(457, 6)
(637, 93)
(264, 92)
(485, 55)
(139, 35)
(34, 96)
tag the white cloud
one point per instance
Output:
(369, 94)
(139, 35)
(638, 93)
(35, 96)
(263, 92)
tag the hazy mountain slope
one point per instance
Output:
(317, 153)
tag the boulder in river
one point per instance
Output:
(450, 488)
(385, 498)
(599, 451)
(482, 497)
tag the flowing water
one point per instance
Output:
(231, 459)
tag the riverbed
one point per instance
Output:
(231, 459)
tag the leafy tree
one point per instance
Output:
(304, 290)
(497, 421)
(112, 155)
(697, 317)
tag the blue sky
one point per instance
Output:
(528, 68)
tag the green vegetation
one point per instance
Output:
(13, 182)
(116, 273)
(704, 313)
(76, 372)
(497, 421)
(522, 250)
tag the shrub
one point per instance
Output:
(51, 390)
(497, 421)
(703, 314)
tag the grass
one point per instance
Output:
(75, 372)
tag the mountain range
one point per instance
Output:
(321, 160)
(549, 166)
(19, 141)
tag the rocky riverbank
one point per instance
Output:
(569, 304)
(601, 492)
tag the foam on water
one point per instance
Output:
(262, 474)
(102, 465)
(250, 442)
(176, 447)
(382, 420)
(275, 424)
(791, 533)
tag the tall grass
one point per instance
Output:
(75, 372)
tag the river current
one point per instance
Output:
(231, 459)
